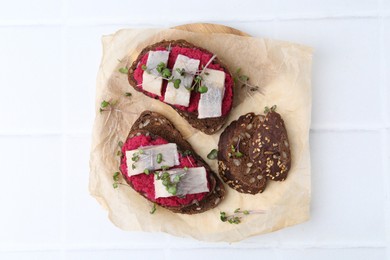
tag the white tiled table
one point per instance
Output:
(49, 56)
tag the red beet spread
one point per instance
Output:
(204, 57)
(145, 183)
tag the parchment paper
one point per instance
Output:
(282, 70)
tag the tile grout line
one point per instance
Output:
(124, 21)
(64, 33)
(385, 132)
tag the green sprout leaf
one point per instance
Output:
(128, 94)
(160, 67)
(238, 154)
(172, 190)
(104, 104)
(159, 158)
(202, 89)
(176, 83)
(115, 185)
(143, 67)
(146, 171)
(153, 209)
(116, 176)
(124, 70)
(166, 73)
(187, 152)
(213, 154)
(223, 216)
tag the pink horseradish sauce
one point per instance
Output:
(204, 57)
(144, 184)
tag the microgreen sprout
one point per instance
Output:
(243, 81)
(108, 106)
(236, 151)
(143, 67)
(124, 70)
(181, 71)
(202, 89)
(236, 218)
(128, 94)
(170, 184)
(187, 152)
(135, 157)
(146, 171)
(267, 109)
(115, 177)
(116, 183)
(176, 83)
(159, 158)
(153, 209)
(213, 154)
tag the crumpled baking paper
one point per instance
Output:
(281, 70)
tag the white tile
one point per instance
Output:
(115, 254)
(30, 79)
(346, 69)
(30, 193)
(222, 253)
(279, 253)
(30, 11)
(332, 7)
(347, 191)
(266, 28)
(87, 222)
(83, 55)
(386, 69)
(44, 255)
(174, 12)
(333, 253)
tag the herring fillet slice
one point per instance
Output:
(148, 158)
(210, 103)
(194, 180)
(181, 96)
(151, 79)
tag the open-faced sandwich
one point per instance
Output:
(190, 79)
(252, 150)
(161, 166)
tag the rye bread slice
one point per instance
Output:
(265, 152)
(206, 125)
(270, 148)
(238, 170)
(154, 124)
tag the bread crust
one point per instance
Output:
(207, 125)
(156, 125)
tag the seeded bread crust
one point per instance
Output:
(266, 153)
(207, 125)
(154, 124)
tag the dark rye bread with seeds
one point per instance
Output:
(154, 124)
(252, 150)
(270, 148)
(207, 125)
